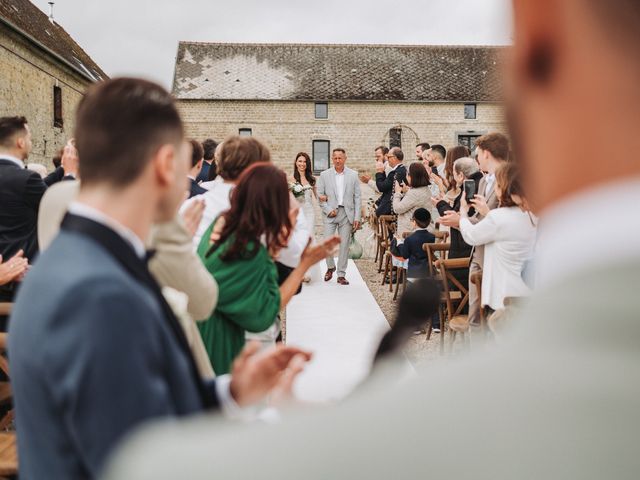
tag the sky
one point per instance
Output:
(140, 37)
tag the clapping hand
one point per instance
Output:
(480, 204)
(450, 219)
(437, 198)
(254, 374)
(365, 178)
(70, 161)
(379, 167)
(13, 269)
(193, 215)
(323, 198)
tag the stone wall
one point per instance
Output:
(26, 88)
(358, 127)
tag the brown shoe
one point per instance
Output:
(343, 281)
(329, 275)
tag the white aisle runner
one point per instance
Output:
(342, 326)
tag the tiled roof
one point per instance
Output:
(337, 72)
(29, 20)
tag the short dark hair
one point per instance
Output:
(497, 144)
(196, 152)
(418, 174)
(440, 149)
(424, 146)
(422, 217)
(239, 153)
(398, 153)
(120, 124)
(339, 150)
(384, 149)
(209, 146)
(9, 127)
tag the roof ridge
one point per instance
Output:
(339, 45)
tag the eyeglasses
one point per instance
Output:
(390, 156)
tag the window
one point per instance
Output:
(245, 132)
(57, 107)
(322, 111)
(468, 140)
(321, 150)
(395, 138)
(470, 111)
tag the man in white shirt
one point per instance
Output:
(559, 398)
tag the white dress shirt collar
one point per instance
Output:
(13, 159)
(571, 237)
(82, 210)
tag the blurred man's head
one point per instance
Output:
(491, 149)
(236, 154)
(209, 146)
(197, 153)
(381, 154)
(130, 137)
(438, 154)
(15, 137)
(575, 71)
(339, 157)
(421, 147)
(395, 156)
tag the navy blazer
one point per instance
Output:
(195, 189)
(385, 184)
(412, 250)
(95, 351)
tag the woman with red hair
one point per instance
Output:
(251, 233)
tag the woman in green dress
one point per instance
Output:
(248, 236)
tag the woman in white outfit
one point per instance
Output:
(303, 187)
(508, 234)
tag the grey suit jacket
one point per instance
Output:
(558, 400)
(92, 356)
(492, 203)
(351, 199)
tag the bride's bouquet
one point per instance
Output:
(298, 189)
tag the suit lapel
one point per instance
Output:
(124, 254)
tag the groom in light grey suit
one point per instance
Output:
(339, 194)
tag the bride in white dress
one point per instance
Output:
(303, 186)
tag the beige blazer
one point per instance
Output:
(405, 205)
(174, 265)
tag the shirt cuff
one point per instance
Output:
(229, 406)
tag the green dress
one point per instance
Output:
(248, 300)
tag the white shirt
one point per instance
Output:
(218, 200)
(489, 181)
(571, 238)
(508, 235)
(82, 210)
(223, 382)
(13, 159)
(340, 188)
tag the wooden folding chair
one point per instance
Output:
(385, 223)
(455, 297)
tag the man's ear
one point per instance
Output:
(537, 40)
(164, 163)
(21, 142)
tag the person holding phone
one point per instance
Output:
(409, 195)
(465, 174)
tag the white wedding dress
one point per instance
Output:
(306, 203)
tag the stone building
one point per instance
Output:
(314, 98)
(44, 75)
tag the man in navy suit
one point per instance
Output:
(385, 183)
(196, 167)
(209, 167)
(95, 349)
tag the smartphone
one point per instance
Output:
(469, 190)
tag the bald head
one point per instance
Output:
(565, 56)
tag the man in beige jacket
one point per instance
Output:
(559, 398)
